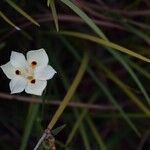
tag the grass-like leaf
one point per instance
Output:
(96, 134)
(140, 70)
(54, 13)
(88, 20)
(22, 12)
(102, 87)
(118, 56)
(49, 2)
(140, 85)
(83, 132)
(137, 32)
(124, 87)
(79, 120)
(32, 112)
(70, 91)
(8, 20)
(105, 43)
(58, 129)
(78, 123)
(84, 137)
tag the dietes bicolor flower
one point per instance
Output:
(30, 75)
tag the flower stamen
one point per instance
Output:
(30, 77)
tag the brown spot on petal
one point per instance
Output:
(33, 81)
(33, 64)
(18, 72)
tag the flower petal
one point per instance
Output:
(17, 85)
(36, 88)
(18, 60)
(37, 56)
(44, 73)
(9, 70)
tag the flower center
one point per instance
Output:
(31, 79)
(28, 73)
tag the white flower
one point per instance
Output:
(30, 75)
